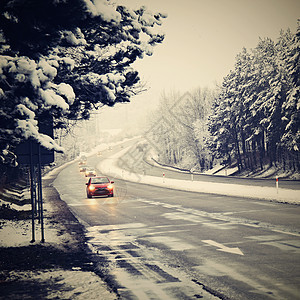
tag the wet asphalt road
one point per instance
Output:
(166, 244)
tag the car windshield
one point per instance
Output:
(99, 180)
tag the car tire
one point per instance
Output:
(89, 196)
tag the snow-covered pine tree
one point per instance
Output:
(290, 56)
(65, 58)
(221, 142)
(257, 113)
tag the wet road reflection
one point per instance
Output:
(155, 243)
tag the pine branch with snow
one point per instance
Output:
(65, 58)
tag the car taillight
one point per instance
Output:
(110, 186)
(91, 188)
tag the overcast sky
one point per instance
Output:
(202, 39)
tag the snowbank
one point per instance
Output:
(266, 193)
(18, 233)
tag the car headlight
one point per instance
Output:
(110, 186)
(91, 188)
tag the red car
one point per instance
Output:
(99, 186)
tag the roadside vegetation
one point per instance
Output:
(250, 121)
(61, 60)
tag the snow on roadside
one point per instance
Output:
(15, 206)
(58, 169)
(73, 284)
(18, 233)
(218, 170)
(257, 192)
(103, 147)
(100, 147)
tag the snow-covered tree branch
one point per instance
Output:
(65, 58)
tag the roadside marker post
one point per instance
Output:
(277, 184)
(163, 177)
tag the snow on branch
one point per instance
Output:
(39, 94)
(102, 8)
(81, 59)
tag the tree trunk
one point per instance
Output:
(261, 151)
(244, 149)
(253, 147)
(239, 160)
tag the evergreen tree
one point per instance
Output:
(256, 116)
(65, 58)
(222, 124)
(290, 49)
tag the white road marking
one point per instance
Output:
(198, 216)
(223, 247)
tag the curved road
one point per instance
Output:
(157, 243)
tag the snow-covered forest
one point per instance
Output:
(251, 120)
(178, 129)
(62, 59)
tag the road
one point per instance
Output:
(158, 243)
